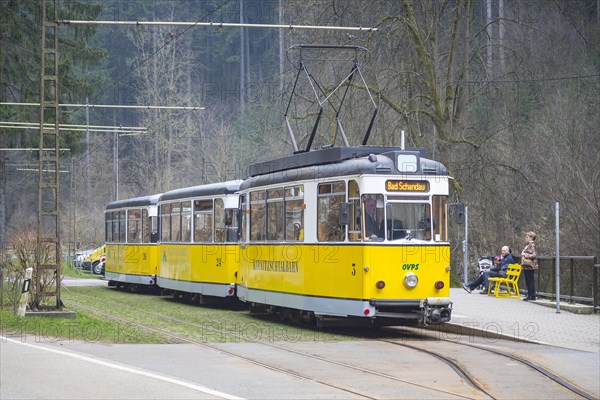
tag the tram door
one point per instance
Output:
(339, 237)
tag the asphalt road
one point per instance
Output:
(93, 281)
(34, 367)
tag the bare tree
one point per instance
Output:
(158, 161)
(24, 244)
(498, 133)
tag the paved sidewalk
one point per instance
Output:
(525, 321)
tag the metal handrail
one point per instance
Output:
(571, 297)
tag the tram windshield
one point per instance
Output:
(408, 221)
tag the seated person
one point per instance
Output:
(498, 270)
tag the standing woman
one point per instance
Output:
(529, 263)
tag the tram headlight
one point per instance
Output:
(411, 280)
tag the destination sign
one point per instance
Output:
(406, 186)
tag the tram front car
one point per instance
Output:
(407, 261)
(374, 245)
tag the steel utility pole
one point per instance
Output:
(48, 218)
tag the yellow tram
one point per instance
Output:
(358, 232)
(131, 234)
(198, 240)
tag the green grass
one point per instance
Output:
(114, 316)
(85, 327)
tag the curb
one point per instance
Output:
(570, 307)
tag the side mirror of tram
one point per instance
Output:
(344, 213)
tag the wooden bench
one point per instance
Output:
(511, 281)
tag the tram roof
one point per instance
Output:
(342, 161)
(202, 190)
(321, 156)
(134, 202)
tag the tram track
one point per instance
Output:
(458, 369)
(438, 391)
(550, 375)
(530, 364)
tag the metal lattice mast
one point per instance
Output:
(48, 222)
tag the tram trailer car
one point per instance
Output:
(199, 241)
(131, 235)
(354, 233)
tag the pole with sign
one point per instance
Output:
(24, 299)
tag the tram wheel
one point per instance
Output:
(295, 316)
(281, 314)
(308, 318)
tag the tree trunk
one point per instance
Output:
(281, 47)
(488, 29)
(242, 58)
(501, 35)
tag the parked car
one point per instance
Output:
(79, 257)
(95, 261)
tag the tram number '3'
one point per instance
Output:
(410, 267)
(353, 269)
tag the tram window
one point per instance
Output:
(372, 213)
(145, 227)
(408, 221)
(257, 216)
(294, 213)
(115, 227)
(440, 218)
(108, 227)
(243, 208)
(134, 224)
(231, 225)
(203, 220)
(165, 222)
(275, 214)
(122, 227)
(186, 221)
(219, 221)
(329, 198)
(176, 222)
(354, 201)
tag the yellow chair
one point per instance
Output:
(511, 280)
